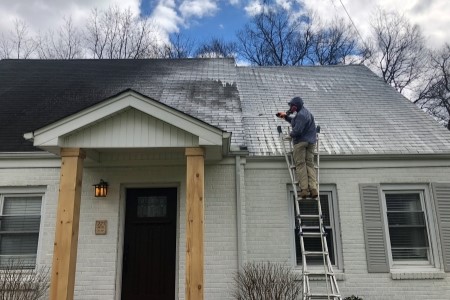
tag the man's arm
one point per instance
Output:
(284, 116)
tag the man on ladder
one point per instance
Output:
(301, 153)
(303, 134)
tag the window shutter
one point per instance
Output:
(374, 231)
(441, 193)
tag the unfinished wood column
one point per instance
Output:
(195, 178)
(67, 222)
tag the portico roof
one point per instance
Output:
(128, 120)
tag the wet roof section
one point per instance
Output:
(35, 93)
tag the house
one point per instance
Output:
(198, 186)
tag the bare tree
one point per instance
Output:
(23, 43)
(275, 37)
(119, 34)
(17, 43)
(434, 96)
(216, 48)
(336, 43)
(19, 282)
(266, 281)
(179, 46)
(399, 50)
(65, 44)
(6, 47)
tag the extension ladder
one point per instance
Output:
(331, 290)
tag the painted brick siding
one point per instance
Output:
(266, 224)
(99, 256)
(93, 279)
(269, 234)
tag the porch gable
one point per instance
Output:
(127, 120)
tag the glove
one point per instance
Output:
(281, 115)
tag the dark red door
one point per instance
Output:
(149, 244)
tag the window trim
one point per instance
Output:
(331, 191)
(428, 208)
(17, 191)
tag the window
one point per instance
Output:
(329, 211)
(407, 218)
(20, 218)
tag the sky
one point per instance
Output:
(203, 19)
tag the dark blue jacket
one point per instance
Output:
(303, 125)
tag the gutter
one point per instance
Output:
(239, 152)
(36, 154)
(238, 211)
(354, 157)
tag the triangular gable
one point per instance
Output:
(128, 120)
(130, 128)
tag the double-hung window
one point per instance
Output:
(20, 218)
(328, 202)
(409, 226)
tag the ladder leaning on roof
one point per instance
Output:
(331, 290)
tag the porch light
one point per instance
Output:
(101, 189)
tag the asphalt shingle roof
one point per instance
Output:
(35, 93)
(357, 111)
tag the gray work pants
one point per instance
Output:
(304, 163)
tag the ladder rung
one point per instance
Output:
(311, 234)
(323, 273)
(321, 296)
(309, 216)
(292, 167)
(315, 253)
(307, 198)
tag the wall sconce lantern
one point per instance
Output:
(101, 189)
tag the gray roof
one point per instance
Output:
(357, 111)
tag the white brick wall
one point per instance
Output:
(269, 234)
(97, 264)
(266, 226)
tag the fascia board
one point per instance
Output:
(49, 135)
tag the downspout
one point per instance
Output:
(238, 210)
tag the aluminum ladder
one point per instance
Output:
(331, 290)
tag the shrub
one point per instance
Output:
(266, 281)
(19, 282)
(353, 297)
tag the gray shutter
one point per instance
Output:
(441, 193)
(374, 232)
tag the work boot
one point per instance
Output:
(303, 194)
(314, 193)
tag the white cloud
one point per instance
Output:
(166, 18)
(198, 8)
(431, 16)
(254, 7)
(286, 4)
(43, 15)
(165, 15)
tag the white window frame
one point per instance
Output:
(331, 191)
(428, 208)
(29, 192)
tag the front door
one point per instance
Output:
(149, 244)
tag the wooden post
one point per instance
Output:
(67, 222)
(195, 178)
